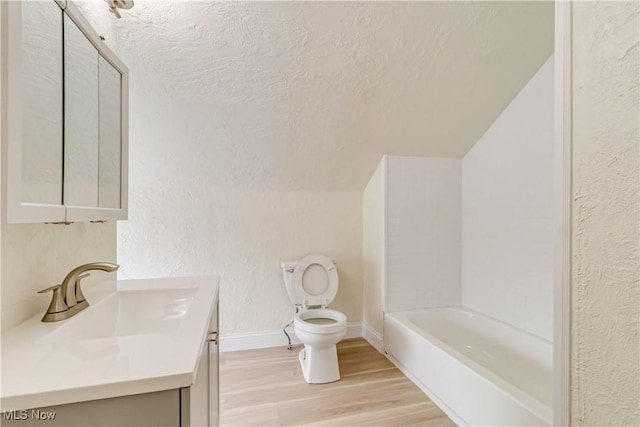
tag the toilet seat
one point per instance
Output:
(323, 298)
(303, 321)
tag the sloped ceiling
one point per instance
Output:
(310, 95)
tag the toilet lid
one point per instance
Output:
(315, 280)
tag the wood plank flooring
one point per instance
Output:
(265, 388)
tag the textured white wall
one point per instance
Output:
(423, 232)
(507, 212)
(605, 283)
(36, 256)
(310, 95)
(187, 227)
(373, 248)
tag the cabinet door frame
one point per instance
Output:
(15, 209)
(84, 213)
(214, 365)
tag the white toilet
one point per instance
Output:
(312, 284)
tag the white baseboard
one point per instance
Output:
(373, 338)
(273, 338)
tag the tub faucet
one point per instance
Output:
(68, 299)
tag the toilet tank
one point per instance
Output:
(287, 271)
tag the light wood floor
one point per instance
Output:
(265, 388)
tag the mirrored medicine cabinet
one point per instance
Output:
(64, 117)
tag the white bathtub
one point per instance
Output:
(480, 371)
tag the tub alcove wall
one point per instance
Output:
(411, 238)
(475, 233)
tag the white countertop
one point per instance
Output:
(40, 367)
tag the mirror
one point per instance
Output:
(66, 108)
(81, 129)
(42, 103)
(110, 135)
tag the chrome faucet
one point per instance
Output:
(68, 299)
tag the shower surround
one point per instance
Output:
(475, 233)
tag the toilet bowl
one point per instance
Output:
(312, 284)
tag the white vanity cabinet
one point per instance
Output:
(64, 117)
(200, 402)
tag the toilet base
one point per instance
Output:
(319, 365)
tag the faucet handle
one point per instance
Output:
(50, 288)
(79, 296)
(57, 302)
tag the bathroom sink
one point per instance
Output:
(136, 336)
(126, 313)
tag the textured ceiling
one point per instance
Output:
(310, 95)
